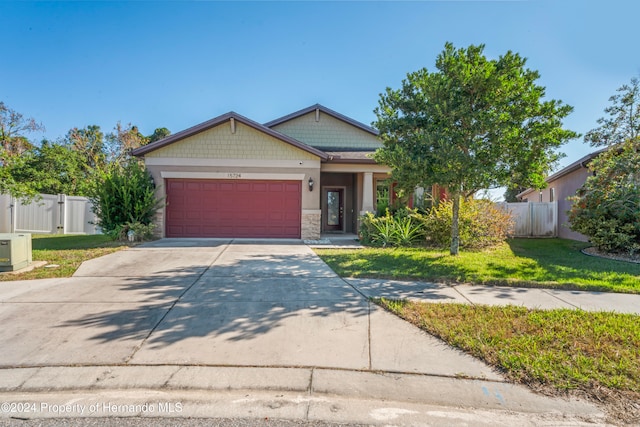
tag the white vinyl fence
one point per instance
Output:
(534, 219)
(47, 214)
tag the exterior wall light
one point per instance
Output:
(311, 184)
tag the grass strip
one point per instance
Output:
(596, 353)
(66, 251)
(548, 263)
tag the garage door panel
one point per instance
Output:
(193, 216)
(259, 187)
(243, 187)
(209, 186)
(290, 205)
(225, 208)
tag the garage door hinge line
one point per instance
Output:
(187, 289)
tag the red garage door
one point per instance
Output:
(242, 208)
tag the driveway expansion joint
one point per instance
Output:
(184, 292)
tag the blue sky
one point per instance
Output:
(176, 64)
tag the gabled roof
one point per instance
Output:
(325, 110)
(219, 120)
(578, 164)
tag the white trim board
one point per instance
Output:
(234, 175)
(234, 163)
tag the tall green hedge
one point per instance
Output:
(124, 194)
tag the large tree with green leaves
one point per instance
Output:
(158, 134)
(13, 145)
(89, 142)
(475, 123)
(13, 129)
(622, 122)
(53, 168)
(607, 207)
(122, 140)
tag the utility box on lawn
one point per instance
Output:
(15, 251)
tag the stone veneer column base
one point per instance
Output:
(158, 221)
(310, 225)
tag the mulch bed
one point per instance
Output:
(618, 257)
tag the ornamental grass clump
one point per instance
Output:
(401, 229)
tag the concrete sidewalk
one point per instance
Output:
(533, 298)
(251, 329)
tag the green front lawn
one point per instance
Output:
(552, 263)
(554, 350)
(65, 251)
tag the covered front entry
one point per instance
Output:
(338, 203)
(333, 218)
(233, 208)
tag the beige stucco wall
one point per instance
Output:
(565, 186)
(327, 132)
(245, 154)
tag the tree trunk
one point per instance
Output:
(455, 234)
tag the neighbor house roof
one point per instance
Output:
(325, 110)
(219, 120)
(578, 164)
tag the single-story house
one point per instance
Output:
(560, 186)
(307, 173)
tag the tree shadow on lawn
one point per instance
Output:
(223, 303)
(407, 264)
(546, 263)
(559, 263)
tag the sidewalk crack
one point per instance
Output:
(560, 299)
(455, 288)
(310, 393)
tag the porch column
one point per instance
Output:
(367, 193)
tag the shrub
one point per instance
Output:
(481, 224)
(402, 229)
(607, 207)
(123, 197)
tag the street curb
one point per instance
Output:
(314, 382)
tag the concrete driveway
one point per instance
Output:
(176, 315)
(213, 302)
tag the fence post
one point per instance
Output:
(61, 227)
(555, 219)
(530, 220)
(14, 208)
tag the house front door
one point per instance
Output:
(334, 209)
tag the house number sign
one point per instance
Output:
(234, 175)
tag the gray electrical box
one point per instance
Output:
(15, 251)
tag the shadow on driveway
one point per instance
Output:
(250, 308)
